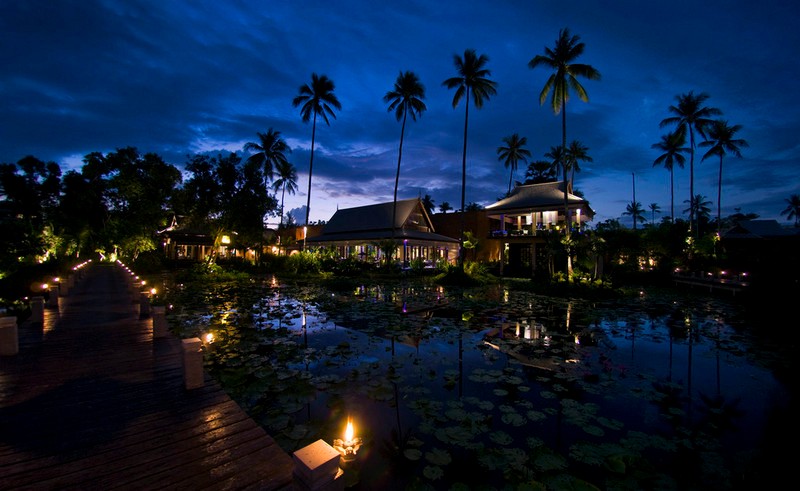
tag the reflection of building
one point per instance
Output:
(359, 232)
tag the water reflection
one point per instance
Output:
(501, 380)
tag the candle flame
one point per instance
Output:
(348, 432)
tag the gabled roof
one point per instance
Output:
(758, 229)
(373, 222)
(544, 197)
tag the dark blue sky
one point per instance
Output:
(179, 77)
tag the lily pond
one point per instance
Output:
(498, 388)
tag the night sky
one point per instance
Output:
(178, 78)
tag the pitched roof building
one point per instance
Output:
(360, 230)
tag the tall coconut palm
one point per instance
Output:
(721, 141)
(316, 99)
(699, 205)
(472, 80)
(512, 154)
(672, 144)
(270, 151)
(576, 152)
(286, 181)
(634, 209)
(654, 208)
(690, 115)
(404, 99)
(561, 59)
(792, 209)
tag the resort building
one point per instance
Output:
(365, 231)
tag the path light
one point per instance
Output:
(153, 291)
(208, 338)
(350, 445)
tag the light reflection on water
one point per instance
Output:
(514, 387)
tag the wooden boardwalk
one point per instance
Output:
(94, 402)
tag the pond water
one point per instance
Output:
(495, 388)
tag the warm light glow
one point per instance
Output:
(226, 239)
(349, 432)
(208, 338)
(153, 291)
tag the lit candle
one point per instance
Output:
(350, 445)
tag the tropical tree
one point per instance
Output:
(699, 206)
(690, 115)
(576, 152)
(270, 151)
(472, 80)
(428, 203)
(654, 208)
(635, 210)
(792, 209)
(404, 99)
(445, 207)
(540, 171)
(721, 141)
(286, 181)
(512, 153)
(316, 99)
(672, 144)
(561, 59)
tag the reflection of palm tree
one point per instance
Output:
(721, 141)
(691, 115)
(404, 99)
(286, 181)
(672, 144)
(512, 153)
(561, 59)
(471, 79)
(792, 209)
(317, 98)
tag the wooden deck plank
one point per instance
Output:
(93, 401)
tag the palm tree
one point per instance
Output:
(635, 210)
(286, 181)
(721, 141)
(691, 115)
(270, 151)
(699, 206)
(654, 208)
(540, 171)
(428, 203)
(561, 59)
(445, 207)
(576, 152)
(512, 153)
(672, 144)
(792, 209)
(404, 99)
(316, 99)
(471, 79)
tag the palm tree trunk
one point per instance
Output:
(283, 195)
(463, 186)
(566, 187)
(691, 180)
(310, 170)
(397, 177)
(719, 198)
(671, 195)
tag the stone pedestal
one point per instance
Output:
(37, 309)
(9, 338)
(159, 314)
(53, 300)
(144, 304)
(316, 467)
(193, 363)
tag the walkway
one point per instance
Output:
(93, 401)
